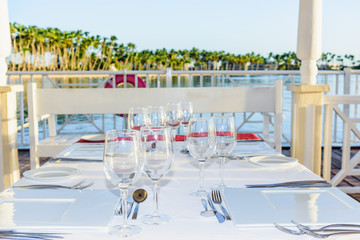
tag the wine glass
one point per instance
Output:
(225, 141)
(173, 116)
(187, 113)
(201, 141)
(123, 166)
(158, 155)
(137, 118)
(157, 116)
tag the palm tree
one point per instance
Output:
(77, 50)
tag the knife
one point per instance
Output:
(219, 216)
(59, 160)
(305, 183)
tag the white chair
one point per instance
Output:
(118, 100)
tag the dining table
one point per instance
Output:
(88, 213)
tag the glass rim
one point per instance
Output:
(124, 131)
(154, 128)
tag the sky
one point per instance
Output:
(234, 26)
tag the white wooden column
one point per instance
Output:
(309, 39)
(9, 163)
(308, 92)
(5, 43)
(9, 156)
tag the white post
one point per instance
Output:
(5, 47)
(168, 77)
(308, 92)
(309, 39)
(309, 136)
(9, 163)
(5, 43)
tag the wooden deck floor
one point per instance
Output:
(24, 162)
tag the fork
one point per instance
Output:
(336, 225)
(216, 197)
(325, 235)
(326, 228)
(78, 186)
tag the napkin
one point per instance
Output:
(180, 138)
(248, 136)
(240, 136)
(90, 141)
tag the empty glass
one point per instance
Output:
(123, 166)
(157, 117)
(173, 116)
(187, 114)
(137, 118)
(201, 141)
(158, 155)
(225, 141)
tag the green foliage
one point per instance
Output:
(49, 49)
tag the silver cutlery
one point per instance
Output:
(287, 230)
(139, 196)
(298, 231)
(218, 215)
(335, 226)
(235, 157)
(325, 235)
(328, 228)
(79, 186)
(317, 183)
(216, 197)
(130, 202)
(247, 156)
(60, 160)
(130, 206)
(28, 235)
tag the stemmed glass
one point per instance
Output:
(201, 142)
(173, 116)
(137, 118)
(158, 155)
(157, 116)
(187, 113)
(225, 141)
(123, 166)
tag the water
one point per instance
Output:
(117, 121)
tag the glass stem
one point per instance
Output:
(124, 196)
(173, 134)
(156, 198)
(185, 134)
(221, 170)
(201, 174)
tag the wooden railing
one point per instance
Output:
(337, 107)
(341, 82)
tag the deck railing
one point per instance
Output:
(340, 107)
(341, 82)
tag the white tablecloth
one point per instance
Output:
(174, 198)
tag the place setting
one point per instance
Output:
(128, 154)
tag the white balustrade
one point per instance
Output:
(338, 81)
(336, 107)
